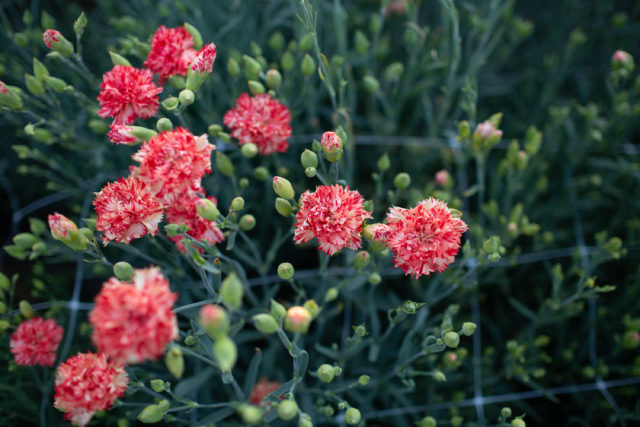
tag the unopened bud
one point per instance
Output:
(252, 67)
(151, 414)
(255, 87)
(175, 362)
(518, 422)
(157, 385)
(164, 125)
(384, 163)
(352, 416)
(233, 68)
(232, 291)
(24, 241)
(427, 422)
(451, 339)
(362, 259)
(214, 129)
(468, 328)
(364, 379)
(34, 86)
(226, 353)
(283, 187)
(308, 65)
(261, 173)
(402, 181)
(276, 41)
(57, 42)
(56, 84)
(312, 306)
(277, 310)
(247, 222)
(274, 79)
(505, 412)
(287, 61)
(326, 373)
(310, 172)
(123, 270)
(207, 209)
(197, 37)
(64, 230)
(237, 204)
(285, 271)
(172, 230)
(250, 414)
(309, 159)
(361, 42)
(118, 59)
(297, 320)
(287, 410)
(332, 294)
(249, 150)
(25, 309)
(186, 97)
(370, 83)
(265, 323)
(374, 278)
(214, 320)
(393, 72)
(170, 104)
(439, 376)
(224, 164)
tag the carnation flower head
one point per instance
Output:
(171, 52)
(133, 322)
(332, 214)
(203, 62)
(183, 211)
(3, 88)
(425, 238)
(127, 93)
(87, 383)
(50, 36)
(126, 210)
(61, 226)
(121, 134)
(261, 120)
(262, 389)
(35, 342)
(330, 141)
(173, 163)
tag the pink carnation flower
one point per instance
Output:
(425, 238)
(183, 211)
(171, 52)
(126, 210)
(332, 214)
(51, 36)
(486, 129)
(128, 93)
(61, 226)
(261, 120)
(173, 163)
(134, 322)
(85, 384)
(121, 134)
(35, 342)
(330, 141)
(203, 62)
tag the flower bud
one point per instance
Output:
(306, 42)
(247, 222)
(308, 65)
(265, 323)
(226, 353)
(451, 339)
(374, 278)
(57, 42)
(276, 41)
(310, 172)
(39, 248)
(312, 306)
(250, 414)
(505, 412)
(56, 84)
(326, 373)
(364, 380)
(370, 83)
(297, 320)
(34, 86)
(39, 70)
(164, 125)
(274, 79)
(233, 68)
(285, 271)
(305, 421)
(443, 178)
(170, 104)
(287, 410)
(468, 328)
(518, 422)
(25, 309)
(237, 204)
(402, 181)
(287, 61)
(361, 42)
(174, 362)
(393, 72)
(630, 340)
(255, 87)
(214, 129)
(200, 67)
(283, 187)
(207, 209)
(123, 271)
(224, 164)
(486, 135)
(232, 291)
(384, 163)
(64, 230)
(622, 60)
(283, 207)
(277, 310)
(151, 414)
(243, 182)
(157, 385)
(189, 340)
(362, 259)
(252, 68)
(186, 97)
(5, 283)
(331, 146)
(332, 294)
(352, 416)
(24, 241)
(309, 159)
(249, 150)
(172, 230)
(214, 320)
(119, 59)
(439, 376)
(10, 96)
(261, 173)
(197, 37)
(427, 422)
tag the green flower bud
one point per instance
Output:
(24, 241)
(326, 373)
(439, 376)
(287, 61)
(224, 164)
(352, 416)
(214, 320)
(283, 187)
(306, 42)
(172, 230)
(276, 41)
(5, 284)
(3, 307)
(34, 86)
(25, 309)
(164, 125)
(197, 38)
(207, 209)
(371, 84)
(468, 328)
(250, 414)
(312, 306)
(247, 222)
(364, 380)
(277, 310)
(384, 163)
(170, 104)
(123, 270)
(274, 79)
(180, 83)
(265, 323)
(56, 84)
(214, 129)
(189, 340)
(393, 72)
(186, 97)
(287, 410)
(305, 421)
(252, 68)
(237, 204)
(249, 150)
(226, 353)
(402, 181)
(151, 414)
(308, 65)
(232, 291)
(298, 320)
(332, 294)
(243, 182)
(518, 422)
(119, 59)
(39, 248)
(505, 412)
(361, 259)
(309, 159)
(451, 339)
(261, 173)
(99, 127)
(58, 43)
(361, 42)
(285, 271)
(157, 385)
(233, 68)
(427, 422)
(255, 87)
(80, 24)
(374, 278)
(174, 362)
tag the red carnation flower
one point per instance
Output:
(171, 52)
(261, 120)
(173, 163)
(3, 88)
(425, 238)
(134, 322)
(85, 384)
(128, 93)
(35, 342)
(205, 58)
(126, 210)
(262, 389)
(183, 211)
(332, 214)
(121, 134)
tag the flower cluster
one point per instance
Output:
(133, 322)
(261, 120)
(35, 342)
(171, 52)
(87, 383)
(332, 214)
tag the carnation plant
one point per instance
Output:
(314, 213)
